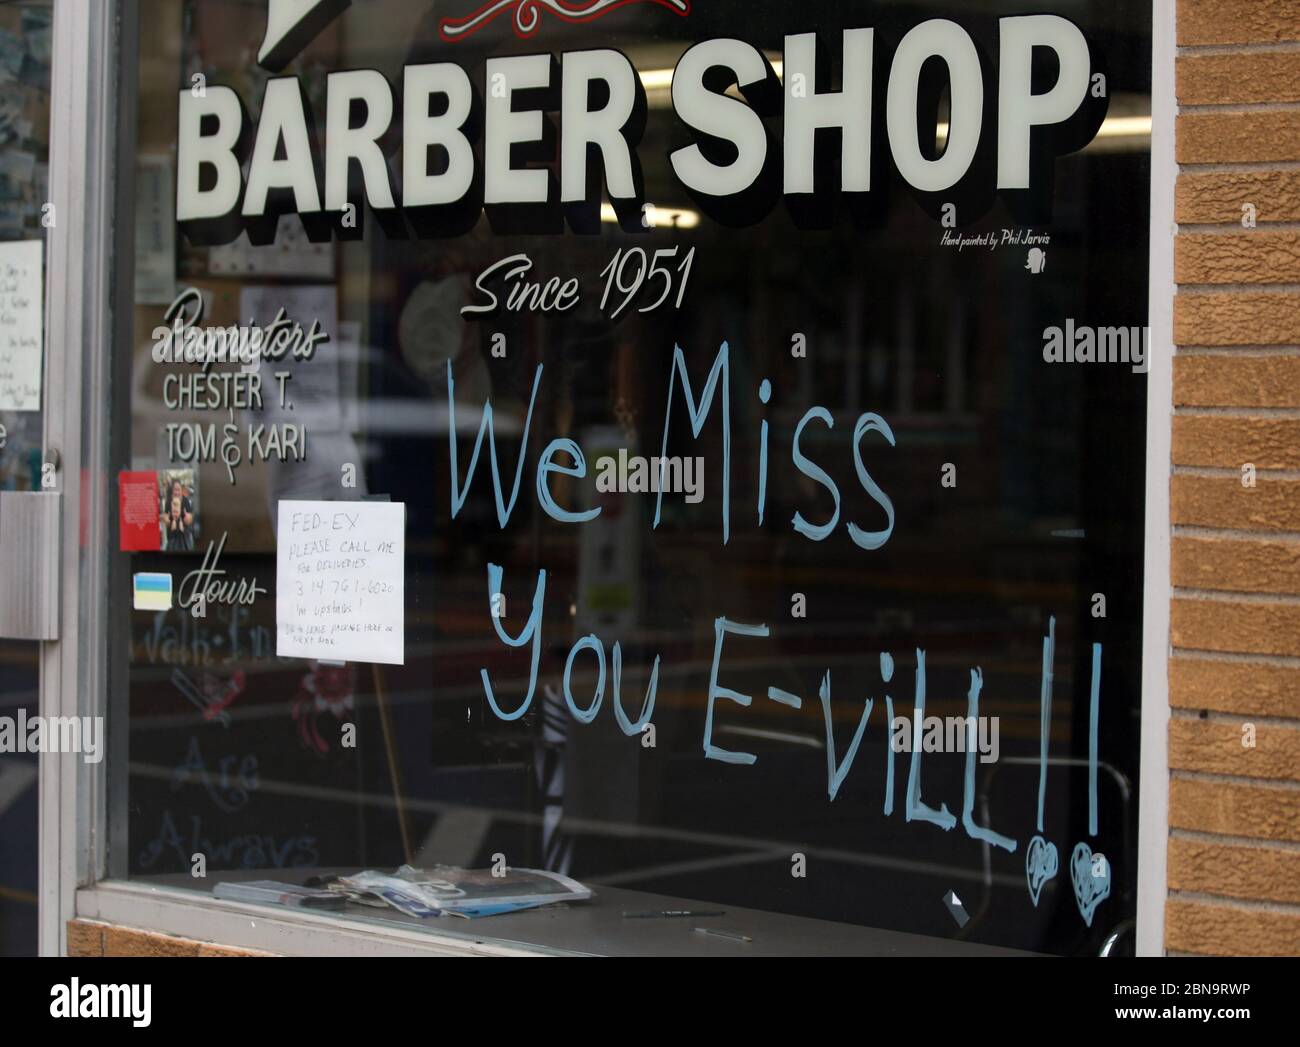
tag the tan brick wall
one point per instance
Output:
(90, 938)
(1234, 674)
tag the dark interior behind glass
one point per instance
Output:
(236, 754)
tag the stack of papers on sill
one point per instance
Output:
(450, 890)
(272, 892)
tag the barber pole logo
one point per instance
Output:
(291, 25)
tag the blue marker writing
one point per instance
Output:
(721, 627)
(968, 801)
(916, 810)
(764, 394)
(1092, 739)
(698, 413)
(532, 631)
(546, 465)
(835, 775)
(589, 642)
(1045, 713)
(887, 674)
(647, 707)
(814, 472)
(868, 423)
(776, 694)
(458, 495)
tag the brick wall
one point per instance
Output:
(88, 938)
(1234, 846)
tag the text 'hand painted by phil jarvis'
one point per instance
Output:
(1091, 877)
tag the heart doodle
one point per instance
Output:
(1090, 875)
(1041, 865)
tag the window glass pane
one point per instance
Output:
(900, 433)
(25, 39)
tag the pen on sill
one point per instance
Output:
(723, 934)
(673, 913)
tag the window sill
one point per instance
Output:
(582, 929)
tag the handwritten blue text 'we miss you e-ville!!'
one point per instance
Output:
(1090, 874)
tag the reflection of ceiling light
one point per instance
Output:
(661, 217)
(1125, 127)
(656, 79)
(1111, 127)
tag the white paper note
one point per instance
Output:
(340, 568)
(21, 331)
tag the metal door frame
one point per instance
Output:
(76, 410)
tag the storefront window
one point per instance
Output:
(836, 469)
(24, 218)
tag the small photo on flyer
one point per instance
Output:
(178, 516)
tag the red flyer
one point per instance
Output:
(138, 511)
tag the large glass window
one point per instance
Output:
(898, 488)
(25, 45)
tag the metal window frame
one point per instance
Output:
(1157, 589)
(79, 268)
(93, 43)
